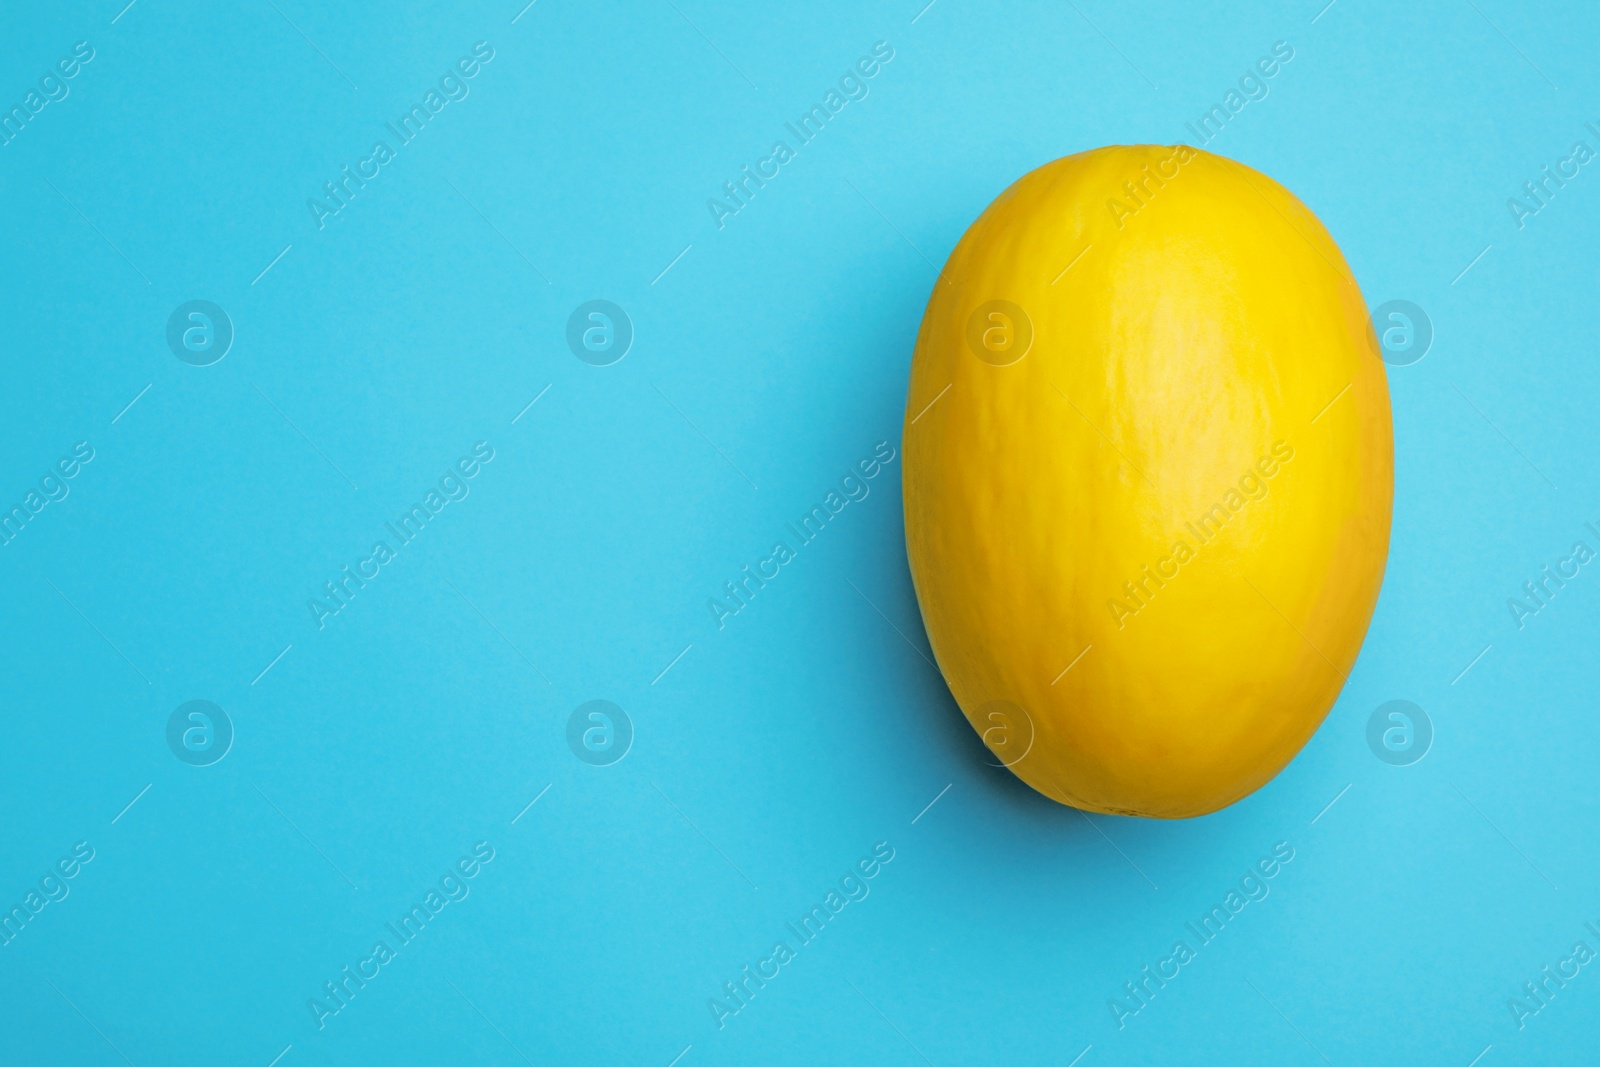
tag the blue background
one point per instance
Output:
(770, 755)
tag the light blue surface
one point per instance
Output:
(372, 754)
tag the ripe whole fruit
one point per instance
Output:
(1148, 478)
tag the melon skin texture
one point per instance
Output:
(1148, 478)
